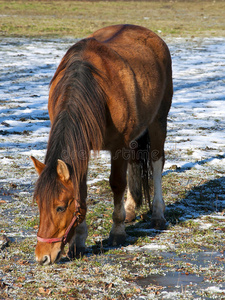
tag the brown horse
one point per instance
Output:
(111, 91)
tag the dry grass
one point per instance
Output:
(78, 18)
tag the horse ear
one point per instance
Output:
(39, 166)
(63, 171)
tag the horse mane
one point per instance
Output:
(79, 121)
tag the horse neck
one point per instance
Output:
(78, 103)
(71, 140)
(69, 144)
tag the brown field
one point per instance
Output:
(79, 18)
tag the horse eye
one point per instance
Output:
(60, 209)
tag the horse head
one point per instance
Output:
(60, 212)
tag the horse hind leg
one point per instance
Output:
(158, 205)
(134, 192)
(138, 176)
(157, 132)
(118, 185)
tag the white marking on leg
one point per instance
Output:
(130, 204)
(134, 193)
(158, 205)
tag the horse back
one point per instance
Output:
(139, 74)
(129, 40)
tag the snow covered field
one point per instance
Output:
(196, 127)
(195, 147)
(196, 121)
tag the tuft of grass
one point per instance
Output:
(33, 222)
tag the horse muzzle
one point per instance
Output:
(47, 254)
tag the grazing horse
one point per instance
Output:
(111, 91)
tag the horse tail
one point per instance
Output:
(144, 148)
(139, 175)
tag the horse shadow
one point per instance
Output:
(200, 200)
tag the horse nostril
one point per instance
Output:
(46, 260)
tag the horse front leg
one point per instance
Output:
(118, 185)
(77, 242)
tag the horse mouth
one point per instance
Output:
(46, 260)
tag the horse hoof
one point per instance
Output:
(117, 240)
(76, 253)
(159, 224)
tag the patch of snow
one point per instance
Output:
(146, 248)
(131, 248)
(170, 295)
(205, 226)
(150, 247)
(6, 161)
(218, 216)
(215, 289)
